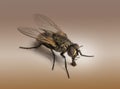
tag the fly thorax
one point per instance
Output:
(61, 48)
(61, 42)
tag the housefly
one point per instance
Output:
(52, 37)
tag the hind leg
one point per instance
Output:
(37, 46)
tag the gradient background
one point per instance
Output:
(92, 23)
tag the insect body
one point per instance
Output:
(54, 40)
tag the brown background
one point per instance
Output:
(92, 23)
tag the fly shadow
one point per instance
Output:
(42, 50)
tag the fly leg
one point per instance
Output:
(73, 62)
(53, 59)
(84, 55)
(31, 47)
(62, 54)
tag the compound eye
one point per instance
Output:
(72, 52)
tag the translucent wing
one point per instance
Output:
(31, 32)
(46, 23)
(34, 33)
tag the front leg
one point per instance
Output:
(73, 62)
(62, 54)
(84, 55)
